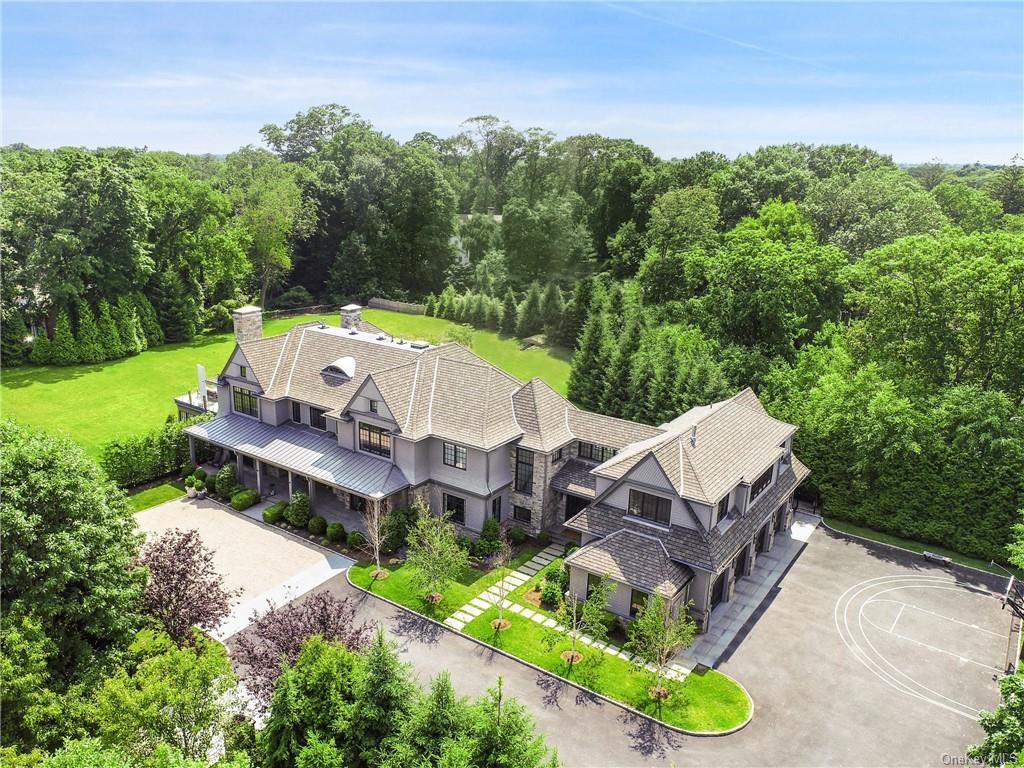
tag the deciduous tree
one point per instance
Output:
(434, 555)
(655, 637)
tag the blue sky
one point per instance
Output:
(915, 80)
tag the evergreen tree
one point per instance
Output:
(147, 316)
(446, 303)
(590, 363)
(13, 349)
(509, 314)
(176, 306)
(90, 343)
(641, 378)
(42, 349)
(531, 320)
(384, 694)
(430, 306)
(577, 311)
(65, 348)
(618, 390)
(505, 736)
(701, 382)
(493, 313)
(133, 338)
(615, 308)
(552, 305)
(110, 334)
(479, 310)
(435, 719)
(661, 396)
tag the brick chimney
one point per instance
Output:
(351, 315)
(248, 323)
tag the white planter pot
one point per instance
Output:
(190, 492)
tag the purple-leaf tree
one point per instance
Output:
(184, 590)
(275, 638)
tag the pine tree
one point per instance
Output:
(615, 307)
(384, 694)
(661, 396)
(509, 314)
(42, 349)
(430, 306)
(505, 733)
(65, 348)
(439, 717)
(13, 348)
(479, 310)
(641, 378)
(176, 306)
(110, 334)
(446, 303)
(618, 391)
(552, 305)
(147, 317)
(576, 312)
(530, 319)
(133, 339)
(90, 343)
(590, 363)
(493, 313)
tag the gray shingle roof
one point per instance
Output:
(543, 415)
(576, 478)
(607, 430)
(639, 560)
(709, 550)
(304, 451)
(736, 440)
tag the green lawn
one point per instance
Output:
(704, 701)
(157, 494)
(96, 403)
(399, 587)
(916, 546)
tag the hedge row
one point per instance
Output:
(136, 459)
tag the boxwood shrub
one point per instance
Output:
(356, 539)
(317, 525)
(245, 498)
(274, 513)
(335, 532)
(298, 510)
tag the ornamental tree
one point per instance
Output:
(276, 637)
(434, 555)
(578, 616)
(184, 589)
(654, 638)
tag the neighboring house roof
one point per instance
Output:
(576, 478)
(310, 453)
(709, 550)
(735, 441)
(637, 559)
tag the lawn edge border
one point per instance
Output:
(845, 534)
(531, 665)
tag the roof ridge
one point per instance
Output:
(288, 386)
(615, 418)
(280, 355)
(430, 401)
(412, 396)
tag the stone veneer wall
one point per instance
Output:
(248, 323)
(545, 505)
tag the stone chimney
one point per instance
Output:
(248, 323)
(351, 316)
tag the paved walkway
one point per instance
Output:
(495, 593)
(728, 619)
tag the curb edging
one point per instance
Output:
(535, 667)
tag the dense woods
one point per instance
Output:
(879, 308)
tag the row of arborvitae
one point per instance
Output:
(89, 335)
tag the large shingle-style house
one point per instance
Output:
(353, 416)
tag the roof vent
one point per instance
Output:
(400, 341)
(343, 366)
(380, 337)
(693, 436)
(353, 332)
(420, 344)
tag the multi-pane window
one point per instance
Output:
(296, 412)
(650, 507)
(723, 508)
(454, 456)
(496, 508)
(316, 418)
(456, 507)
(373, 406)
(592, 581)
(374, 439)
(637, 600)
(594, 452)
(761, 483)
(522, 514)
(242, 371)
(524, 470)
(245, 402)
(558, 455)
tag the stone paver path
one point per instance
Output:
(491, 596)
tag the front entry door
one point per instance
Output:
(763, 537)
(718, 589)
(574, 505)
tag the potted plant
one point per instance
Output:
(190, 487)
(201, 488)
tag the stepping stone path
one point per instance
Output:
(492, 595)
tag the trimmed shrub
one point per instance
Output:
(550, 592)
(397, 525)
(489, 540)
(335, 532)
(543, 538)
(226, 481)
(273, 514)
(464, 543)
(317, 525)
(298, 510)
(137, 459)
(200, 474)
(516, 536)
(190, 482)
(245, 498)
(355, 540)
(200, 484)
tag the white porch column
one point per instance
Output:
(289, 484)
(259, 477)
(312, 491)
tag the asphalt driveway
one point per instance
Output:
(262, 562)
(900, 691)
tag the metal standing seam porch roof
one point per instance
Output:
(300, 450)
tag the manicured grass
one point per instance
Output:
(551, 365)
(398, 586)
(704, 701)
(916, 546)
(156, 494)
(96, 403)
